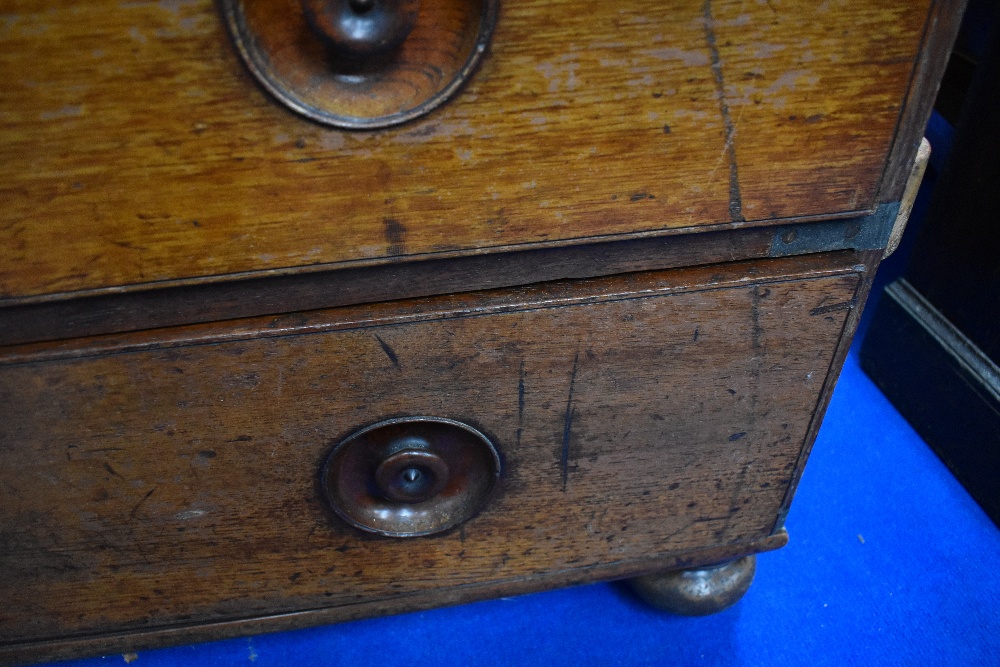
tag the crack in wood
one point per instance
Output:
(735, 198)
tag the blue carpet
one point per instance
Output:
(890, 563)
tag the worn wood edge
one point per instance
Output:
(396, 260)
(73, 647)
(940, 32)
(867, 267)
(565, 293)
(909, 196)
(193, 304)
(208, 302)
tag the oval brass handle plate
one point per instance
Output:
(361, 64)
(411, 476)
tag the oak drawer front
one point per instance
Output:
(726, 110)
(177, 481)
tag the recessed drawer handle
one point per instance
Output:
(361, 29)
(361, 64)
(411, 476)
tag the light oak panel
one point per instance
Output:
(137, 150)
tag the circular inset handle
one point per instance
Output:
(361, 64)
(411, 476)
(361, 29)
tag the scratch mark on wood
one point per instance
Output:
(735, 199)
(756, 331)
(389, 352)
(739, 488)
(139, 504)
(520, 404)
(568, 424)
(822, 310)
(107, 466)
(757, 294)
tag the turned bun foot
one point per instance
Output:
(698, 591)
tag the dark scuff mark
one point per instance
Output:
(739, 489)
(757, 331)
(389, 352)
(735, 199)
(568, 424)
(639, 196)
(696, 332)
(395, 234)
(822, 310)
(757, 293)
(107, 466)
(520, 404)
(666, 129)
(135, 509)
(742, 452)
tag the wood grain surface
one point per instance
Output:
(137, 150)
(173, 479)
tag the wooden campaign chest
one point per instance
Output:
(300, 324)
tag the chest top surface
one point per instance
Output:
(137, 150)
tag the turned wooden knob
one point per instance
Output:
(361, 30)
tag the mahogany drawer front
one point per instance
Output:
(174, 479)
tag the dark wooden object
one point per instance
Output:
(934, 342)
(630, 254)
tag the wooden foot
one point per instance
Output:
(699, 591)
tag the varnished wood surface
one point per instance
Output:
(137, 150)
(127, 642)
(176, 482)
